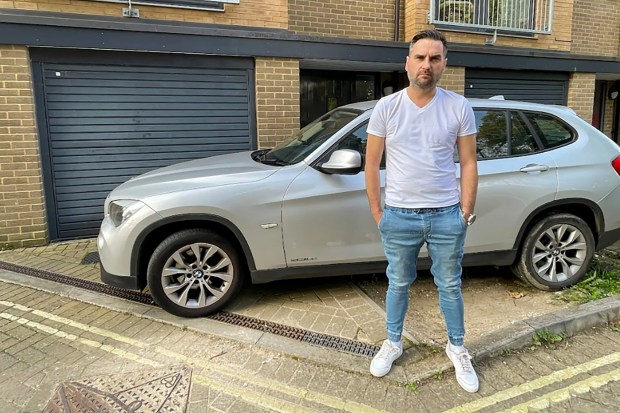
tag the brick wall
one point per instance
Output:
(416, 12)
(277, 100)
(608, 117)
(453, 79)
(596, 28)
(581, 94)
(22, 213)
(358, 19)
(258, 13)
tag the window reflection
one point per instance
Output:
(492, 139)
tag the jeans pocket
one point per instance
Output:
(461, 218)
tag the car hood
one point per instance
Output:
(214, 171)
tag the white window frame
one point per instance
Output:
(522, 16)
(209, 5)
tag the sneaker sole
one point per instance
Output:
(381, 373)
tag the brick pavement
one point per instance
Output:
(53, 347)
(46, 340)
(334, 306)
(329, 306)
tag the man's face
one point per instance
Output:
(426, 63)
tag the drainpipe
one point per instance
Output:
(396, 20)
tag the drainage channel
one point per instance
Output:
(310, 337)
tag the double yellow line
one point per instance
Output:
(255, 397)
(554, 397)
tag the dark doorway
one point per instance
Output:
(322, 91)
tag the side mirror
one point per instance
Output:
(343, 162)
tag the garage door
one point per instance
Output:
(540, 87)
(117, 118)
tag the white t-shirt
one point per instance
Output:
(420, 145)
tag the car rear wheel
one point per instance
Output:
(556, 253)
(194, 273)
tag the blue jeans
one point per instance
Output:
(403, 232)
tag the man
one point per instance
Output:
(419, 128)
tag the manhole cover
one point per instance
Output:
(163, 390)
(91, 258)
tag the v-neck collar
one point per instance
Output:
(428, 104)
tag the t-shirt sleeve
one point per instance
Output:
(377, 124)
(468, 120)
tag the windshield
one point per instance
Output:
(309, 138)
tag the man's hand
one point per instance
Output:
(377, 216)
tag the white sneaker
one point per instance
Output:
(465, 373)
(382, 362)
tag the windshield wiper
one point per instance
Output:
(260, 154)
(273, 161)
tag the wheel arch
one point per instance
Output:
(154, 234)
(585, 209)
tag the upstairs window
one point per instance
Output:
(211, 5)
(518, 16)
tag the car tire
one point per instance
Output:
(556, 252)
(194, 273)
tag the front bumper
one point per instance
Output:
(121, 281)
(117, 247)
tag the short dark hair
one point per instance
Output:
(432, 34)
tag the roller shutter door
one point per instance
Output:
(539, 87)
(106, 123)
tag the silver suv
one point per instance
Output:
(548, 198)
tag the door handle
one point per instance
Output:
(534, 168)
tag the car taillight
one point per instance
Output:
(616, 164)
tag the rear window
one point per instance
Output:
(551, 131)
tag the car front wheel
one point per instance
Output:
(194, 273)
(556, 253)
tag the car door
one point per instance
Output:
(515, 177)
(326, 218)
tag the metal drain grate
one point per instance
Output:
(91, 258)
(320, 339)
(79, 282)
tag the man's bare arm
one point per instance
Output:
(374, 153)
(466, 146)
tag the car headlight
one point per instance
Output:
(122, 209)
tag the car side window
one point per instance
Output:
(356, 140)
(551, 131)
(492, 138)
(522, 140)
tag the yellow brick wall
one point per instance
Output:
(596, 28)
(358, 19)
(416, 12)
(453, 79)
(258, 13)
(608, 117)
(277, 100)
(581, 94)
(22, 211)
